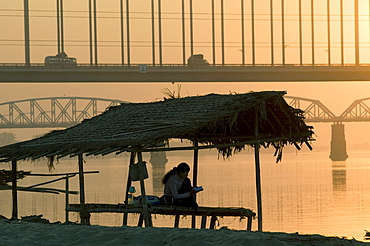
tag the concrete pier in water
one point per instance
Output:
(338, 149)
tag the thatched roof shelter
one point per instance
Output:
(226, 122)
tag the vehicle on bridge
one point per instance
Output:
(60, 60)
(197, 61)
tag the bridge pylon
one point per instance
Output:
(338, 148)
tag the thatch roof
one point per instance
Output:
(226, 122)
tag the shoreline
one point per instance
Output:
(20, 232)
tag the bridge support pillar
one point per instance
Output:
(338, 149)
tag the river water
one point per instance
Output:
(305, 193)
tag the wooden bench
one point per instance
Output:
(177, 211)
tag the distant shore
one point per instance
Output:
(28, 233)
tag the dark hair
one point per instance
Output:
(182, 167)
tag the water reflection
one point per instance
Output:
(158, 161)
(339, 176)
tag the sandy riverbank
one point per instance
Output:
(28, 233)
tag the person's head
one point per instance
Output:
(182, 170)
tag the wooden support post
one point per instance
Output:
(147, 216)
(83, 213)
(258, 172)
(213, 222)
(132, 161)
(204, 221)
(140, 222)
(67, 198)
(195, 179)
(177, 221)
(249, 223)
(14, 190)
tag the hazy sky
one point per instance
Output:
(336, 96)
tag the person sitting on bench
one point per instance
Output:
(177, 187)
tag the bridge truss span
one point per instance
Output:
(359, 110)
(51, 112)
(314, 110)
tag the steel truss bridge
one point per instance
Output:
(57, 112)
(317, 112)
(53, 112)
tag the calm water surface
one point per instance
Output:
(305, 193)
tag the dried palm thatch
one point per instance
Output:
(226, 122)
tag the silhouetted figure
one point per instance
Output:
(178, 190)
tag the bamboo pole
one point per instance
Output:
(132, 161)
(48, 182)
(147, 216)
(84, 219)
(258, 173)
(67, 198)
(213, 222)
(195, 178)
(57, 174)
(266, 140)
(14, 191)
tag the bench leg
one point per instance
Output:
(249, 223)
(125, 217)
(213, 222)
(177, 221)
(193, 221)
(204, 221)
(141, 220)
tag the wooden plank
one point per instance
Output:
(165, 210)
